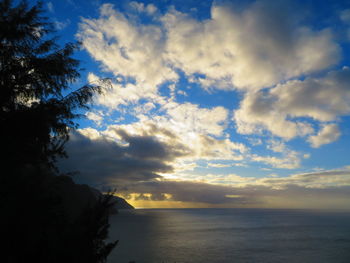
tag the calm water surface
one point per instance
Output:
(230, 235)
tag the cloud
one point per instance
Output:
(256, 48)
(149, 147)
(259, 111)
(50, 7)
(60, 25)
(95, 117)
(99, 159)
(191, 117)
(326, 189)
(251, 49)
(149, 9)
(125, 47)
(326, 181)
(289, 160)
(187, 119)
(219, 165)
(322, 99)
(283, 157)
(321, 180)
(261, 49)
(128, 158)
(138, 163)
(200, 144)
(276, 146)
(278, 109)
(125, 95)
(279, 65)
(201, 129)
(345, 16)
(329, 133)
(141, 151)
(189, 192)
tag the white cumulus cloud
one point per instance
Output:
(254, 48)
(329, 133)
(278, 110)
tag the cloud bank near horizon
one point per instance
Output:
(137, 165)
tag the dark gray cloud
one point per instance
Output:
(134, 167)
(149, 147)
(251, 195)
(101, 161)
(186, 191)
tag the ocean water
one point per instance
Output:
(230, 235)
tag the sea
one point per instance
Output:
(230, 236)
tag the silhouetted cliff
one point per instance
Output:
(78, 196)
(121, 203)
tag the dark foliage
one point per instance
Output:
(37, 111)
(35, 73)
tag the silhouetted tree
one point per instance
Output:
(37, 111)
(35, 74)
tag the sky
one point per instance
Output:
(213, 103)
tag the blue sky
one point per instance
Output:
(214, 103)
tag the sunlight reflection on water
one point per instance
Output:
(230, 235)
